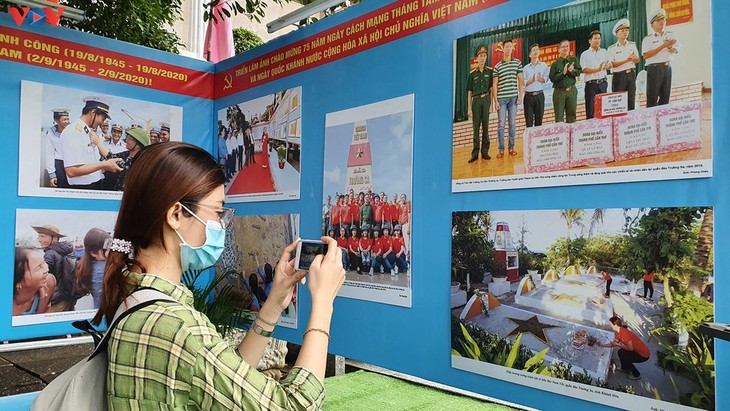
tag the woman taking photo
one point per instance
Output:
(34, 286)
(168, 355)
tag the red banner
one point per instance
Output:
(678, 11)
(388, 23)
(24, 47)
(550, 53)
(496, 51)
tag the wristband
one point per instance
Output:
(317, 330)
(258, 317)
(260, 331)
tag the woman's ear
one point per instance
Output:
(174, 216)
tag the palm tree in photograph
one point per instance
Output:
(471, 251)
(668, 242)
(596, 220)
(572, 217)
(703, 251)
(705, 240)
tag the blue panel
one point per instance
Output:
(416, 341)
(197, 113)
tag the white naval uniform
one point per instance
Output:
(79, 150)
(658, 69)
(617, 52)
(116, 148)
(653, 41)
(53, 150)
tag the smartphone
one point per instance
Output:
(306, 251)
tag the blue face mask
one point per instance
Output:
(204, 256)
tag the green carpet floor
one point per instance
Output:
(366, 391)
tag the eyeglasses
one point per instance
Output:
(225, 215)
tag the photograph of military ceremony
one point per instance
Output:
(591, 303)
(80, 144)
(590, 92)
(259, 147)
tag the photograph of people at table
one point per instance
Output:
(612, 93)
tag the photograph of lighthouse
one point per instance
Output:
(600, 304)
(366, 201)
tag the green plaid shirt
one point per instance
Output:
(168, 356)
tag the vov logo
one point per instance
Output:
(36, 16)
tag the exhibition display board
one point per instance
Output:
(50, 76)
(358, 109)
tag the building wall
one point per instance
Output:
(191, 28)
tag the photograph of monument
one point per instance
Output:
(587, 302)
(366, 204)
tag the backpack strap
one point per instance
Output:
(140, 298)
(85, 326)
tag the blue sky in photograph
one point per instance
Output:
(249, 108)
(391, 147)
(138, 111)
(73, 224)
(546, 226)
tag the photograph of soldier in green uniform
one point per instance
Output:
(649, 56)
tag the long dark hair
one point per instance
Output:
(256, 290)
(162, 175)
(93, 243)
(21, 264)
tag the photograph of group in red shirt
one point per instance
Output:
(371, 232)
(366, 204)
